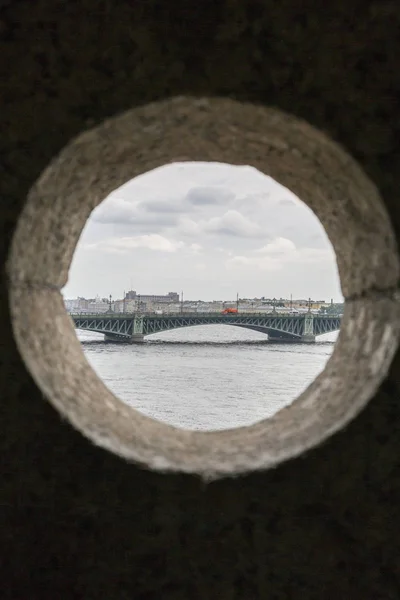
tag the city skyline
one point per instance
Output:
(243, 298)
(170, 304)
(208, 229)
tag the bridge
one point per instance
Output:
(132, 328)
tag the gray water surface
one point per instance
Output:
(207, 377)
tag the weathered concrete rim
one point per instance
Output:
(292, 152)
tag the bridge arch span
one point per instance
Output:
(271, 332)
(275, 333)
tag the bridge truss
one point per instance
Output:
(104, 324)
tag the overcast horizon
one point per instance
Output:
(212, 230)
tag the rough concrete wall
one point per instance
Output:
(79, 522)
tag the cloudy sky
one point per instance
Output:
(209, 229)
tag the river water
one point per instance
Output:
(207, 377)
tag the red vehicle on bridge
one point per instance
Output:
(230, 311)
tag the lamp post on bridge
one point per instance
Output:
(110, 304)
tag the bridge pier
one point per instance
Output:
(112, 338)
(308, 336)
(282, 339)
(136, 338)
(307, 339)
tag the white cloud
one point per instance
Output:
(200, 196)
(279, 253)
(162, 206)
(151, 242)
(113, 210)
(187, 226)
(264, 263)
(233, 223)
(315, 256)
(278, 247)
(153, 216)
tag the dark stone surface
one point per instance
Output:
(78, 522)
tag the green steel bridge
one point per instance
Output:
(132, 328)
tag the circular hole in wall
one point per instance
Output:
(221, 130)
(208, 357)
